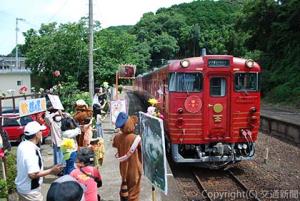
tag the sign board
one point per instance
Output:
(153, 150)
(218, 63)
(55, 101)
(32, 106)
(117, 106)
(127, 71)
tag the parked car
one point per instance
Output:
(14, 125)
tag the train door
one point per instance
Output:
(217, 106)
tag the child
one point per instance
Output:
(69, 145)
(87, 131)
(97, 145)
(99, 128)
(86, 174)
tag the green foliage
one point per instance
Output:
(3, 189)
(10, 174)
(69, 94)
(267, 31)
(274, 33)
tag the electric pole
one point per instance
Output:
(17, 30)
(91, 46)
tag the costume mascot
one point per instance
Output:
(129, 155)
(84, 116)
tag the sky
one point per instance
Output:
(36, 12)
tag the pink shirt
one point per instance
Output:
(91, 186)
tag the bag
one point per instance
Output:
(96, 179)
(124, 191)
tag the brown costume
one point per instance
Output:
(123, 142)
(82, 115)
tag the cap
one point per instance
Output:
(33, 127)
(121, 119)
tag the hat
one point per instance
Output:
(33, 127)
(69, 178)
(57, 191)
(81, 102)
(121, 119)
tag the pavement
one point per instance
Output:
(110, 172)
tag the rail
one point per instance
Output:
(225, 174)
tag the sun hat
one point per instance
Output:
(33, 127)
(121, 119)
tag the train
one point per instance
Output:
(210, 105)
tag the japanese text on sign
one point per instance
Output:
(32, 106)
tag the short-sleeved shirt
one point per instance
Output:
(91, 186)
(29, 160)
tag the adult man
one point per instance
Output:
(30, 165)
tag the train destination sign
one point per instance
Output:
(218, 63)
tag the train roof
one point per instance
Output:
(197, 63)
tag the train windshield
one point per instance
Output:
(246, 81)
(185, 82)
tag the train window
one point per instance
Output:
(185, 82)
(246, 81)
(217, 86)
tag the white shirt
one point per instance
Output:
(27, 163)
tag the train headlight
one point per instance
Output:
(180, 110)
(253, 109)
(249, 63)
(184, 63)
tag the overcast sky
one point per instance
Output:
(35, 12)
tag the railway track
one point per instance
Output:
(222, 185)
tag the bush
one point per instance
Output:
(11, 172)
(69, 94)
(3, 189)
(9, 186)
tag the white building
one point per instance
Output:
(12, 78)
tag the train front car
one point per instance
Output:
(212, 109)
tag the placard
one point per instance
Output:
(32, 106)
(55, 101)
(153, 150)
(117, 106)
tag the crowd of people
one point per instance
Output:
(78, 152)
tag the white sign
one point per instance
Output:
(55, 101)
(32, 106)
(116, 107)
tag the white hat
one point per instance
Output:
(81, 102)
(33, 127)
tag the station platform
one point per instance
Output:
(109, 170)
(112, 179)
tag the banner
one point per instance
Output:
(55, 101)
(153, 150)
(117, 106)
(32, 106)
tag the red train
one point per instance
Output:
(211, 107)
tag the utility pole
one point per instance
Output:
(91, 46)
(17, 30)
